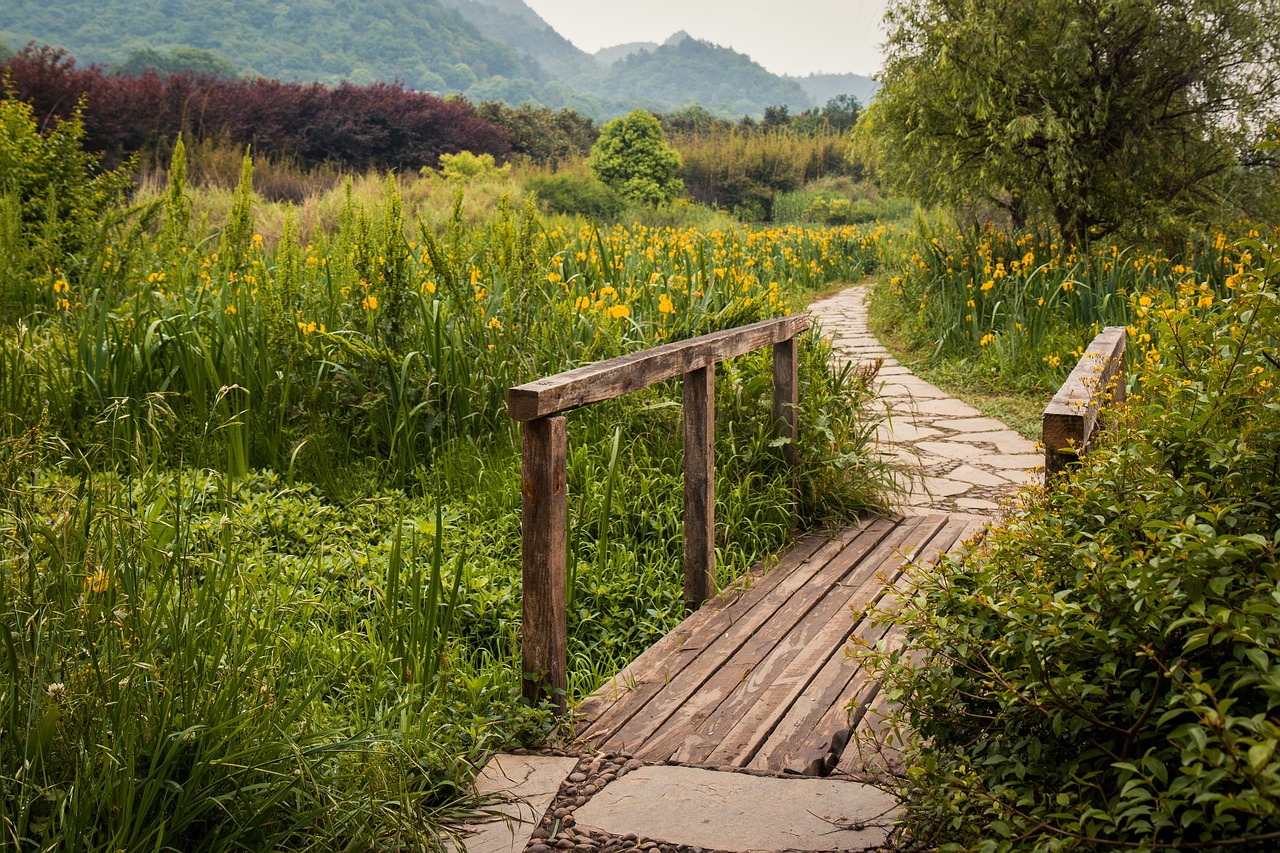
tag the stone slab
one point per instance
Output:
(734, 811)
(950, 407)
(979, 477)
(1015, 461)
(976, 425)
(525, 786)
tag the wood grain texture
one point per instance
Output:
(617, 376)
(699, 486)
(786, 396)
(544, 550)
(761, 679)
(1069, 420)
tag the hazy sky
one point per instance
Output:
(785, 36)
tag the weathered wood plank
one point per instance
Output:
(633, 687)
(822, 713)
(699, 486)
(1069, 419)
(660, 661)
(544, 549)
(616, 376)
(711, 688)
(786, 396)
(656, 700)
(791, 667)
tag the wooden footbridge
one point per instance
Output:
(757, 677)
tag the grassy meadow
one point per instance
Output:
(259, 496)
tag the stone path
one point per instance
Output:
(955, 459)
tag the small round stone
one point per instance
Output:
(577, 777)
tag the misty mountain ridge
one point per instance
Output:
(483, 49)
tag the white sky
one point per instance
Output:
(785, 36)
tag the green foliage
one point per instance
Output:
(696, 72)
(1124, 116)
(180, 60)
(423, 45)
(633, 159)
(545, 137)
(57, 210)
(465, 167)
(1102, 672)
(259, 500)
(577, 194)
(1016, 309)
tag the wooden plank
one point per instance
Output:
(791, 667)
(786, 396)
(699, 486)
(618, 699)
(544, 549)
(658, 699)
(616, 376)
(1070, 417)
(662, 731)
(821, 715)
(651, 675)
(655, 663)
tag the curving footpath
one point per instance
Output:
(955, 459)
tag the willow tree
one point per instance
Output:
(1101, 115)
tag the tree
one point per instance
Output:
(633, 159)
(1101, 115)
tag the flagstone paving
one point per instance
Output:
(954, 459)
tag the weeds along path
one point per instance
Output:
(955, 459)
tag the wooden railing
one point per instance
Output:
(544, 491)
(1071, 418)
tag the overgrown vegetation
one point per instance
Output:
(1101, 673)
(259, 497)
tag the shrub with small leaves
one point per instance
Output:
(1104, 671)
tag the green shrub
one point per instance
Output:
(1105, 671)
(56, 209)
(577, 195)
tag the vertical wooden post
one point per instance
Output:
(786, 396)
(543, 530)
(699, 486)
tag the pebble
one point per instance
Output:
(589, 789)
(580, 801)
(539, 848)
(577, 777)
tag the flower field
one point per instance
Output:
(259, 498)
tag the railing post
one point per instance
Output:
(543, 533)
(786, 397)
(699, 486)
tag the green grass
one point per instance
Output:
(259, 500)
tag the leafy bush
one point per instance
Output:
(376, 125)
(577, 195)
(56, 208)
(633, 159)
(1105, 670)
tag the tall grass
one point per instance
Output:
(261, 499)
(1019, 308)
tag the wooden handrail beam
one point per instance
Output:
(626, 373)
(544, 486)
(1072, 415)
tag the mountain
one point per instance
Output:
(499, 50)
(513, 23)
(824, 87)
(690, 71)
(418, 42)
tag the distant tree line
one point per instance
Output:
(380, 125)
